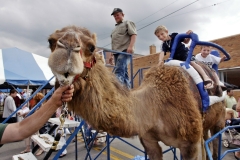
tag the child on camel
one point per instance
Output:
(208, 59)
(181, 52)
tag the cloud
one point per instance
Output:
(26, 24)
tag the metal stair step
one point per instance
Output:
(25, 156)
(44, 144)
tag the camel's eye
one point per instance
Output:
(91, 48)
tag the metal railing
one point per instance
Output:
(219, 136)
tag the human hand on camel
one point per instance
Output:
(160, 63)
(62, 94)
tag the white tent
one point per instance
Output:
(22, 68)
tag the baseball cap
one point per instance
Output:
(115, 10)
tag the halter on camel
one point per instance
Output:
(87, 67)
(206, 99)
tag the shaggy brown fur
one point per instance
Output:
(106, 106)
(163, 108)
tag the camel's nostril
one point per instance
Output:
(66, 74)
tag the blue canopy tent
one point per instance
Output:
(8, 90)
(22, 68)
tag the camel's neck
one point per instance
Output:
(104, 103)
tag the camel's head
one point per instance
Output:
(70, 47)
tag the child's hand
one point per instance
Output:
(223, 58)
(189, 32)
(160, 63)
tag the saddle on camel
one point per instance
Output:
(165, 107)
(208, 96)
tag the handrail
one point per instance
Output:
(131, 64)
(27, 100)
(140, 72)
(219, 134)
(195, 41)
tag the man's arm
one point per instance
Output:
(132, 42)
(30, 125)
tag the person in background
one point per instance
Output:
(123, 40)
(209, 59)
(10, 107)
(2, 97)
(25, 95)
(230, 100)
(17, 101)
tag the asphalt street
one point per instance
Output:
(118, 150)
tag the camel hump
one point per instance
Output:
(206, 99)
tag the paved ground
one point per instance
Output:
(119, 151)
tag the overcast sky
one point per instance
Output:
(26, 24)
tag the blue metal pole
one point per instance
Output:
(219, 146)
(131, 64)
(215, 136)
(76, 150)
(104, 148)
(174, 153)
(108, 148)
(91, 141)
(139, 77)
(145, 154)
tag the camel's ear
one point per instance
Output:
(91, 46)
(52, 43)
(94, 37)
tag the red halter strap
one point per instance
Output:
(87, 66)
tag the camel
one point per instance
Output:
(165, 107)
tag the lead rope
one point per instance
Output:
(60, 131)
